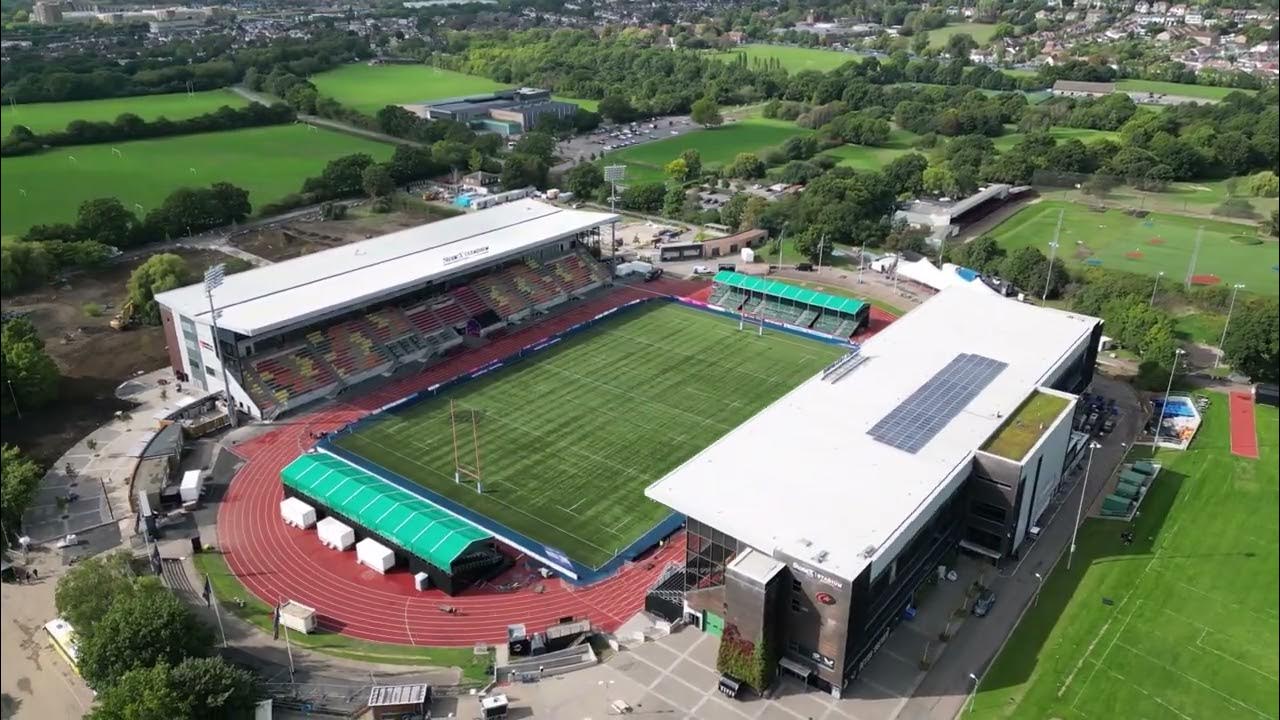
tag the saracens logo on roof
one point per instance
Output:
(466, 255)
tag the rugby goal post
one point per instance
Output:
(755, 319)
(459, 420)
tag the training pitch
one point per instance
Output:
(717, 146)
(369, 88)
(569, 439)
(269, 162)
(1181, 624)
(1161, 242)
(793, 59)
(46, 117)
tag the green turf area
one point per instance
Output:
(866, 157)
(269, 162)
(1199, 326)
(369, 88)
(716, 145)
(1191, 629)
(1208, 92)
(1024, 427)
(980, 32)
(570, 439)
(1061, 134)
(1109, 236)
(793, 59)
(1198, 197)
(227, 588)
(46, 117)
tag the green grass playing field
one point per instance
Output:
(46, 117)
(1165, 246)
(1192, 630)
(793, 59)
(980, 32)
(1168, 88)
(1061, 134)
(716, 145)
(570, 439)
(866, 157)
(369, 88)
(269, 162)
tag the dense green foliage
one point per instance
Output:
(158, 274)
(19, 479)
(85, 593)
(28, 373)
(141, 628)
(194, 689)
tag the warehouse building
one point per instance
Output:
(811, 525)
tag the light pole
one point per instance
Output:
(973, 693)
(1039, 584)
(1179, 352)
(17, 411)
(1232, 306)
(862, 262)
(1084, 490)
(1048, 278)
(1154, 288)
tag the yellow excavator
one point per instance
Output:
(123, 319)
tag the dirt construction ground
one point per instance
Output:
(293, 240)
(92, 357)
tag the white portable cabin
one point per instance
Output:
(374, 555)
(298, 617)
(335, 534)
(190, 488)
(297, 513)
(748, 255)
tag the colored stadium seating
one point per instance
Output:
(472, 304)
(500, 295)
(718, 295)
(806, 318)
(530, 280)
(576, 272)
(349, 347)
(274, 381)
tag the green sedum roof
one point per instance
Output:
(786, 291)
(414, 524)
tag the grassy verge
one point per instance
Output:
(227, 587)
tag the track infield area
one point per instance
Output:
(570, 438)
(1179, 625)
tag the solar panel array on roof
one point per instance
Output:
(912, 424)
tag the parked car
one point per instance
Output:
(984, 603)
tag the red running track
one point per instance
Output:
(1244, 431)
(277, 562)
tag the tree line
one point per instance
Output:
(22, 141)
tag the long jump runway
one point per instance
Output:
(1244, 431)
(277, 562)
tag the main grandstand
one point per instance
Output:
(306, 329)
(810, 526)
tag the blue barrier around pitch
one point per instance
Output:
(552, 557)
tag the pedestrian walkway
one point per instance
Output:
(1244, 431)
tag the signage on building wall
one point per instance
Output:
(826, 598)
(817, 576)
(884, 635)
(206, 345)
(822, 660)
(465, 255)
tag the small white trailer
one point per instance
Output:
(335, 534)
(375, 555)
(190, 488)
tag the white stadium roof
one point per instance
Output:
(266, 298)
(803, 476)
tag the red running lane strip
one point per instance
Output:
(1244, 431)
(276, 562)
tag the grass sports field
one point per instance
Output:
(1121, 242)
(369, 88)
(45, 117)
(269, 162)
(793, 59)
(717, 146)
(980, 32)
(866, 157)
(1061, 134)
(570, 439)
(1181, 624)
(1208, 92)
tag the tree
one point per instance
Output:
(536, 144)
(29, 374)
(706, 112)
(1264, 184)
(142, 693)
(983, 254)
(234, 202)
(693, 161)
(904, 174)
(1271, 225)
(673, 202)
(1027, 268)
(583, 179)
(107, 221)
(677, 170)
(19, 479)
(1099, 185)
(86, 591)
(813, 244)
(377, 181)
(343, 176)
(520, 171)
(409, 163)
(960, 45)
(919, 43)
(617, 108)
(216, 689)
(753, 211)
(939, 180)
(746, 165)
(1253, 340)
(395, 121)
(450, 153)
(645, 197)
(158, 274)
(140, 629)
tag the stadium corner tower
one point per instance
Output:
(811, 526)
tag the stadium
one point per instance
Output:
(512, 432)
